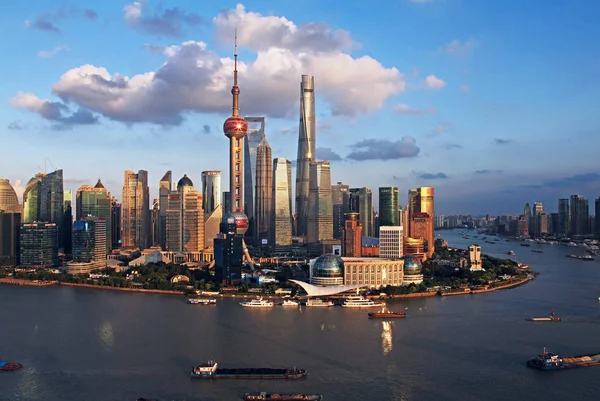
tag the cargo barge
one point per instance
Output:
(281, 397)
(9, 366)
(386, 314)
(551, 318)
(549, 361)
(211, 370)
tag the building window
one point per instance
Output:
(237, 179)
(237, 166)
(237, 155)
(237, 191)
(237, 142)
(237, 203)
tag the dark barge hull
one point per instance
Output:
(282, 397)
(386, 315)
(9, 366)
(254, 373)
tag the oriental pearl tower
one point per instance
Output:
(235, 128)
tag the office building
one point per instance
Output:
(155, 223)
(475, 258)
(116, 224)
(164, 189)
(9, 202)
(212, 205)
(89, 245)
(391, 239)
(10, 223)
(388, 206)
(597, 217)
(97, 202)
(361, 202)
(135, 211)
(421, 215)
(39, 245)
(306, 153)
(564, 223)
(185, 218)
(320, 216)
(253, 138)
(43, 200)
(340, 194)
(580, 215)
(352, 236)
(67, 222)
(281, 226)
(263, 193)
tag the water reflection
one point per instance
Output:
(386, 337)
(106, 335)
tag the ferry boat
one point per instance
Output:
(317, 302)
(358, 301)
(9, 366)
(211, 370)
(551, 318)
(258, 303)
(289, 302)
(199, 301)
(384, 313)
(281, 397)
(584, 257)
(550, 361)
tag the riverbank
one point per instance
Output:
(527, 279)
(105, 287)
(27, 283)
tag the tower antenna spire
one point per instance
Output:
(235, 91)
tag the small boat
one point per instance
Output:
(584, 257)
(551, 318)
(384, 313)
(537, 251)
(511, 253)
(9, 366)
(258, 303)
(281, 397)
(317, 302)
(289, 302)
(200, 301)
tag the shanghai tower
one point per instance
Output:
(306, 152)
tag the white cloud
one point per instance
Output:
(53, 52)
(196, 79)
(404, 109)
(56, 112)
(168, 23)
(458, 48)
(433, 82)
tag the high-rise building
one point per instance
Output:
(352, 236)
(135, 211)
(320, 210)
(97, 202)
(226, 202)
(68, 222)
(391, 241)
(164, 189)
(253, 138)
(185, 218)
(43, 200)
(563, 218)
(306, 152)
(230, 245)
(211, 203)
(361, 202)
(155, 223)
(281, 227)
(263, 192)
(421, 215)
(475, 257)
(388, 206)
(89, 245)
(10, 223)
(340, 194)
(597, 217)
(580, 215)
(39, 245)
(9, 202)
(116, 224)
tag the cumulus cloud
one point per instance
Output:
(433, 82)
(486, 172)
(383, 149)
(404, 109)
(53, 52)
(55, 112)
(433, 176)
(458, 48)
(168, 23)
(500, 141)
(196, 79)
(48, 21)
(327, 154)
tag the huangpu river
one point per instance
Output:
(81, 344)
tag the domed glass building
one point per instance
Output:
(184, 182)
(327, 270)
(413, 270)
(8, 196)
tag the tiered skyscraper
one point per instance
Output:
(281, 227)
(135, 212)
(306, 152)
(421, 215)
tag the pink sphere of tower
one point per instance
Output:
(236, 127)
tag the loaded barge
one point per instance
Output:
(551, 318)
(549, 361)
(386, 314)
(281, 397)
(211, 370)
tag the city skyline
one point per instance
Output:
(450, 118)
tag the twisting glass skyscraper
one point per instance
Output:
(306, 152)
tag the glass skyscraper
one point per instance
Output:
(252, 141)
(281, 226)
(97, 202)
(361, 202)
(340, 194)
(263, 192)
(320, 205)
(135, 211)
(388, 206)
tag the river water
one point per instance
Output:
(82, 344)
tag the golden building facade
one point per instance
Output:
(185, 218)
(373, 272)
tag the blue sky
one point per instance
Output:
(492, 103)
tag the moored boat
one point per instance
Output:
(386, 314)
(317, 302)
(550, 361)
(201, 301)
(211, 370)
(357, 301)
(257, 303)
(9, 366)
(282, 397)
(289, 302)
